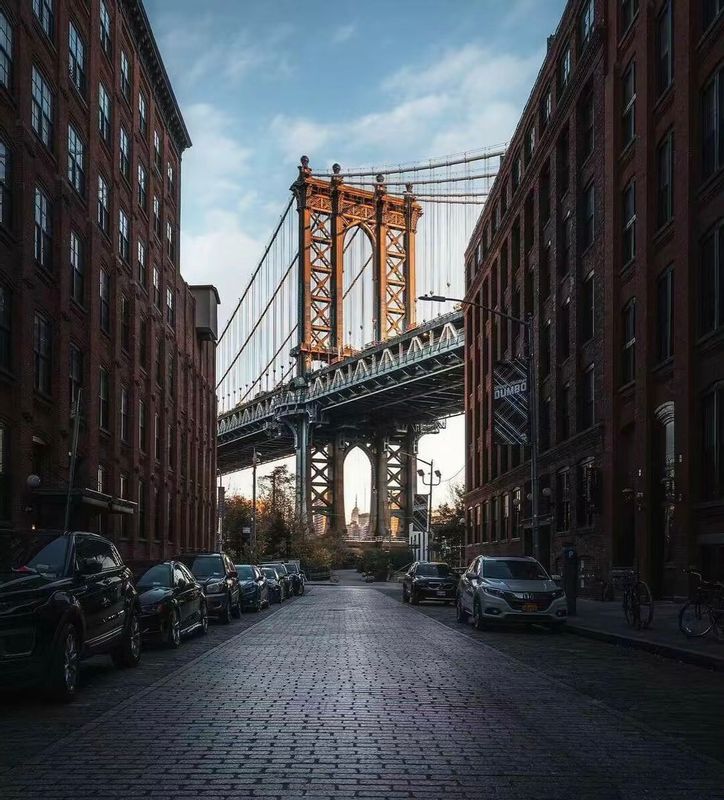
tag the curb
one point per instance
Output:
(666, 651)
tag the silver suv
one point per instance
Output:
(509, 589)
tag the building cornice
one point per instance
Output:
(151, 57)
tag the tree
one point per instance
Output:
(449, 526)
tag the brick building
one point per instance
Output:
(586, 228)
(91, 298)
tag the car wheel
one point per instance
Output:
(461, 615)
(173, 635)
(226, 613)
(478, 620)
(128, 652)
(204, 619)
(236, 608)
(64, 665)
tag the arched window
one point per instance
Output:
(6, 51)
(4, 183)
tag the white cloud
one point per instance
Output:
(343, 33)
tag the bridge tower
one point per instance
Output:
(328, 209)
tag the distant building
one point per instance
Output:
(91, 297)
(606, 223)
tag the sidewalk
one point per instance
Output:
(605, 621)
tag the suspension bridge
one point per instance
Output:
(328, 348)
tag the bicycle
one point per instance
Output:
(703, 612)
(638, 603)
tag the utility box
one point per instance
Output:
(207, 300)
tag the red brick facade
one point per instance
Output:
(622, 357)
(123, 332)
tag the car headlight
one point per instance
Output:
(494, 592)
(153, 608)
(215, 588)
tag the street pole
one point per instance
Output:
(73, 459)
(429, 517)
(253, 500)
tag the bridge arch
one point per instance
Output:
(358, 483)
(358, 288)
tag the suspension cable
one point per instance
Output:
(466, 159)
(479, 176)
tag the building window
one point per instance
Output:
(712, 106)
(564, 399)
(588, 390)
(105, 301)
(41, 354)
(125, 76)
(564, 69)
(546, 108)
(587, 127)
(76, 161)
(564, 330)
(563, 499)
(104, 113)
(664, 49)
(42, 109)
(5, 328)
(494, 532)
(529, 143)
(516, 172)
(124, 237)
(77, 59)
(628, 115)
(6, 51)
(711, 286)
(589, 208)
(170, 312)
(5, 197)
(629, 9)
(157, 217)
(142, 426)
(713, 443)
(628, 347)
(142, 186)
(586, 22)
(664, 180)
(169, 177)
(486, 521)
(587, 308)
(629, 223)
(125, 154)
(43, 230)
(125, 323)
(125, 420)
(142, 272)
(43, 10)
(77, 267)
(76, 374)
(156, 437)
(710, 11)
(157, 155)
(156, 288)
(142, 114)
(665, 314)
(143, 344)
(105, 28)
(171, 376)
(169, 239)
(103, 205)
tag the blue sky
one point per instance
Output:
(260, 83)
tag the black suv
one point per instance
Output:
(63, 597)
(429, 580)
(220, 581)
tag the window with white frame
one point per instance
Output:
(41, 108)
(77, 59)
(76, 160)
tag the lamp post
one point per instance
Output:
(529, 356)
(254, 462)
(434, 474)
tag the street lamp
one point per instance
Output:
(435, 480)
(529, 355)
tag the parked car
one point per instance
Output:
(172, 603)
(274, 588)
(254, 590)
(63, 597)
(217, 575)
(428, 580)
(507, 589)
(283, 577)
(296, 576)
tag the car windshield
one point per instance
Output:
(516, 570)
(269, 573)
(205, 566)
(246, 573)
(158, 576)
(33, 553)
(433, 570)
(291, 569)
(281, 570)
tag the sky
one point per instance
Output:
(261, 82)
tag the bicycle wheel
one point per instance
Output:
(645, 604)
(629, 608)
(693, 620)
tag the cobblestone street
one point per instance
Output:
(347, 693)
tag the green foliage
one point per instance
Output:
(449, 526)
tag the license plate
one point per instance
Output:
(441, 593)
(530, 607)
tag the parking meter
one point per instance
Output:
(570, 577)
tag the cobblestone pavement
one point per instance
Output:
(346, 693)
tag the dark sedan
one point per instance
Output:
(428, 580)
(172, 603)
(283, 577)
(253, 586)
(274, 588)
(217, 575)
(296, 576)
